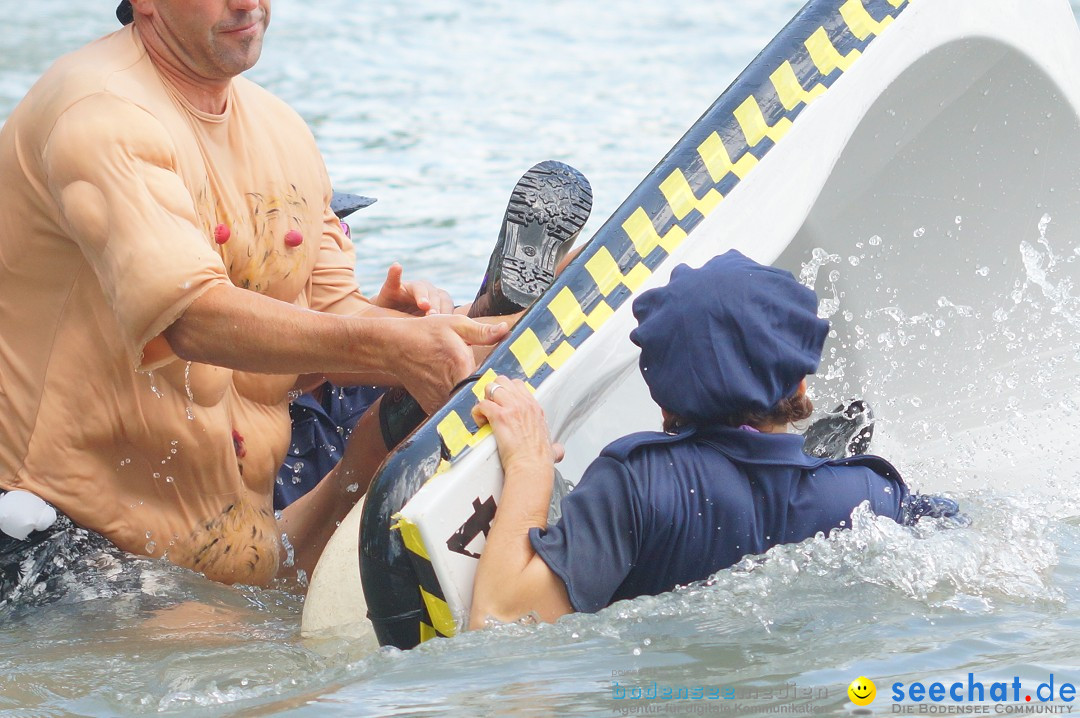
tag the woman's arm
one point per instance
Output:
(512, 581)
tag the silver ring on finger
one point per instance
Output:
(492, 388)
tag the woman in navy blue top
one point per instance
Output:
(725, 350)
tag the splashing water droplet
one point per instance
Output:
(818, 258)
(153, 385)
(1043, 224)
(189, 409)
(919, 232)
(290, 553)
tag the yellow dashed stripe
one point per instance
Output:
(639, 228)
(410, 535)
(859, 21)
(604, 270)
(558, 357)
(718, 161)
(825, 55)
(636, 277)
(438, 610)
(454, 433)
(529, 352)
(567, 311)
(753, 124)
(681, 197)
(440, 614)
(790, 90)
(600, 315)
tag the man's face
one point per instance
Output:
(216, 39)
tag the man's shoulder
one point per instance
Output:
(112, 69)
(90, 69)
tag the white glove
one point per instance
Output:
(22, 512)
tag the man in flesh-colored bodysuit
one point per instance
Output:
(168, 267)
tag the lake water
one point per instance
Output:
(436, 108)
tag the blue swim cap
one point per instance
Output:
(727, 339)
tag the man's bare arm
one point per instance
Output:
(512, 581)
(239, 329)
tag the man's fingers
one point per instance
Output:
(559, 451)
(474, 332)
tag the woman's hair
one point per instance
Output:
(796, 407)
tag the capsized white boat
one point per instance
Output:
(918, 163)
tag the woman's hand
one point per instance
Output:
(517, 421)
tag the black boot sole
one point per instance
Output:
(548, 207)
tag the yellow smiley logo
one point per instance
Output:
(862, 691)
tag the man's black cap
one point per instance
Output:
(124, 12)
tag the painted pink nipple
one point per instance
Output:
(222, 233)
(293, 238)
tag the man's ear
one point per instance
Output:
(801, 391)
(140, 7)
